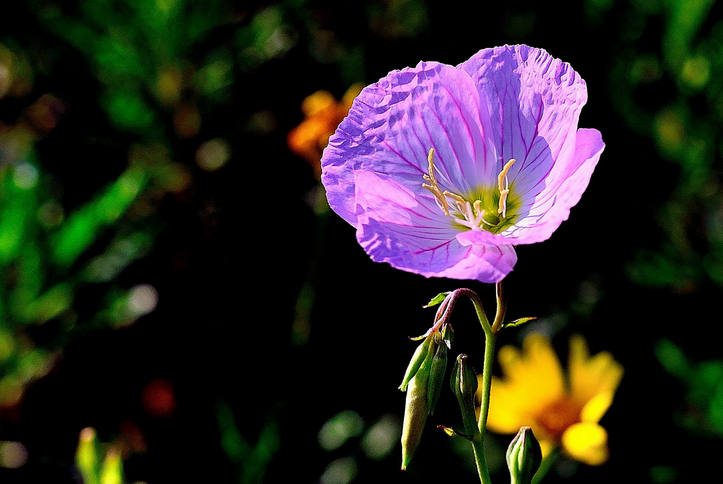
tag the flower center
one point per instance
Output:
(486, 208)
(556, 417)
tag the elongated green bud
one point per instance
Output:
(464, 386)
(436, 375)
(416, 409)
(86, 456)
(419, 355)
(112, 470)
(524, 457)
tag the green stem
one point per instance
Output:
(481, 461)
(478, 444)
(486, 383)
(501, 308)
(489, 331)
(545, 466)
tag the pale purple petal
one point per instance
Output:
(510, 102)
(564, 187)
(393, 124)
(531, 103)
(393, 227)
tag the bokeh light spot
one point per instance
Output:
(696, 72)
(142, 299)
(339, 428)
(341, 471)
(25, 176)
(13, 455)
(381, 438)
(213, 154)
(158, 398)
(50, 213)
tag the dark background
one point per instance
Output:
(270, 319)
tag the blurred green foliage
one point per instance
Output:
(685, 124)
(47, 256)
(251, 460)
(163, 73)
(703, 382)
(140, 51)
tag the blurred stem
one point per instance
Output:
(546, 465)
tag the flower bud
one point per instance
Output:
(112, 470)
(436, 375)
(524, 456)
(464, 386)
(417, 358)
(416, 409)
(86, 456)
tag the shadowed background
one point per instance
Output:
(171, 276)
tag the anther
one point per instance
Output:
(433, 186)
(504, 187)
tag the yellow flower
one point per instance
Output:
(563, 413)
(322, 114)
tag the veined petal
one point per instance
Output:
(393, 124)
(586, 442)
(396, 226)
(563, 188)
(531, 104)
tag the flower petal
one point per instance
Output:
(563, 188)
(507, 411)
(532, 103)
(586, 442)
(596, 407)
(396, 226)
(535, 373)
(393, 124)
(591, 376)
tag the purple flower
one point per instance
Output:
(443, 169)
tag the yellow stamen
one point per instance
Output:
(433, 186)
(454, 196)
(504, 187)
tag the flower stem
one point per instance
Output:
(545, 466)
(478, 443)
(481, 461)
(486, 382)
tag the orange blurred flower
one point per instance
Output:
(323, 114)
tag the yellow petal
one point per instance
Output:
(596, 407)
(532, 380)
(507, 411)
(536, 373)
(586, 442)
(590, 376)
(547, 446)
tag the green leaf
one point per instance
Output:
(436, 300)
(519, 322)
